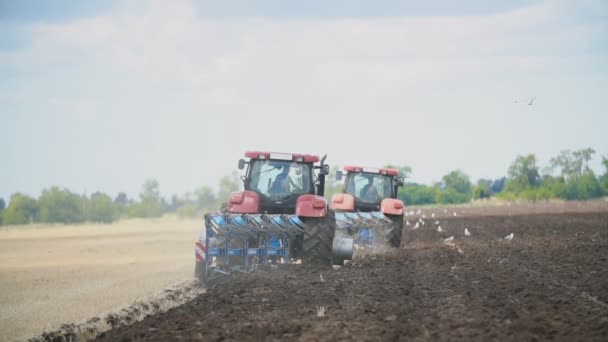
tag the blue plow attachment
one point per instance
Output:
(242, 242)
(364, 228)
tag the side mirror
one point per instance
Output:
(241, 164)
(325, 170)
(400, 181)
(338, 176)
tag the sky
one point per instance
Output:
(102, 95)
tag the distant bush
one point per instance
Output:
(150, 204)
(583, 187)
(2, 207)
(100, 208)
(417, 194)
(451, 196)
(61, 206)
(188, 210)
(21, 209)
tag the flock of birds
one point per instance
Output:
(420, 222)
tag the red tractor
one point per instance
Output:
(280, 216)
(368, 209)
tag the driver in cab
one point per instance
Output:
(282, 183)
(369, 192)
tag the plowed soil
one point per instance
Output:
(549, 283)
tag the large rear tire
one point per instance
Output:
(394, 232)
(318, 238)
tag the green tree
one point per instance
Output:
(585, 186)
(60, 206)
(150, 204)
(576, 180)
(188, 207)
(205, 198)
(2, 207)
(457, 181)
(604, 179)
(417, 194)
(227, 185)
(451, 196)
(498, 185)
(523, 174)
(21, 209)
(102, 209)
(482, 189)
(572, 164)
(122, 202)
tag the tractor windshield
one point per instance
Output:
(279, 179)
(369, 187)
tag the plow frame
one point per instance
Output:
(352, 223)
(274, 235)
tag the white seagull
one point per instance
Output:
(509, 237)
(407, 222)
(439, 229)
(416, 226)
(450, 239)
(467, 232)
(433, 215)
(437, 222)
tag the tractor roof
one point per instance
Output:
(299, 157)
(384, 171)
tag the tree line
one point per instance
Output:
(60, 205)
(567, 176)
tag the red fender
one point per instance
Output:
(343, 202)
(311, 206)
(392, 206)
(244, 202)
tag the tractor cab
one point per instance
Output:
(279, 179)
(370, 186)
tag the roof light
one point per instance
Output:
(262, 156)
(371, 170)
(281, 156)
(300, 159)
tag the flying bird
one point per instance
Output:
(439, 229)
(532, 101)
(509, 237)
(467, 232)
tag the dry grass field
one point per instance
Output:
(56, 274)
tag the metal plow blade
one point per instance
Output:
(242, 242)
(367, 229)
